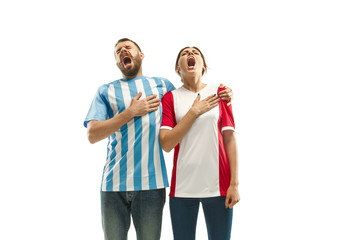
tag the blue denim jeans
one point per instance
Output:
(184, 212)
(145, 207)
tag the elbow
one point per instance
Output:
(91, 136)
(163, 144)
(166, 149)
(92, 141)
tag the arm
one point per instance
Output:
(98, 130)
(232, 196)
(170, 138)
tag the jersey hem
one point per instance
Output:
(166, 127)
(198, 196)
(227, 128)
(133, 190)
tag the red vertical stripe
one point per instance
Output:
(173, 176)
(224, 169)
(169, 119)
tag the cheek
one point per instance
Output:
(182, 63)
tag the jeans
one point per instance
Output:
(184, 212)
(145, 207)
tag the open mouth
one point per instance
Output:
(191, 62)
(126, 61)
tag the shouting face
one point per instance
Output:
(190, 61)
(128, 59)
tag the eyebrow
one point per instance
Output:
(126, 46)
(187, 50)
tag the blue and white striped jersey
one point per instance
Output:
(134, 157)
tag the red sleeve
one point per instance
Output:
(168, 113)
(227, 118)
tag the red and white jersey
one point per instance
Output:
(200, 168)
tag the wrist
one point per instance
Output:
(130, 112)
(234, 183)
(193, 111)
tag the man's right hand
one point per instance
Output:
(141, 107)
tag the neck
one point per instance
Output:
(193, 84)
(138, 74)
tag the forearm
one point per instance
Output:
(232, 155)
(170, 138)
(98, 130)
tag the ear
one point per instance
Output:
(142, 56)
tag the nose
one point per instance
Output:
(191, 53)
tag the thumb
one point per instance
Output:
(138, 96)
(221, 85)
(197, 98)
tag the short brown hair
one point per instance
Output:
(126, 39)
(202, 56)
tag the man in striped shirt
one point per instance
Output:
(134, 176)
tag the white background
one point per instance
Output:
(294, 69)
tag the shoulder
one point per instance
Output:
(161, 79)
(168, 95)
(112, 83)
(169, 86)
(103, 89)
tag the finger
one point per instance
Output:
(214, 99)
(154, 105)
(154, 100)
(211, 98)
(150, 97)
(215, 104)
(222, 86)
(234, 202)
(224, 92)
(225, 98)
(197, 98)
(138, 96)
(212, 105)
(227, 201)
(153, 109)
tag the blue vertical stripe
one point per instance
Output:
(152, 133)
(109, 177)
(124, 139)
(137, 144)
(163, 166)
(123, 160)
(159, 86)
